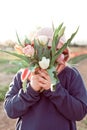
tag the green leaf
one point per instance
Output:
(27, 41)
(53, 48)
(56, 38)
(25, 58)
(52, 75)
(57, 30)
(32, 67)
(53, 26)
(39, 48)
(61, 33)
(20, 63)
(18, 39)
(64, 46)
(46, 52)
(77, 59)
(24, 85)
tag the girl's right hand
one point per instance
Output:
(34, 82)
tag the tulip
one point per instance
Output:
(43, 39)
(28, 51)
(18, 49)
(60, 59)
(25, 74)
(44, 63)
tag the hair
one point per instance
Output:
(45, 31)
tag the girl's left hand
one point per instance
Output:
(46, 80)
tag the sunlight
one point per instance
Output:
(24, 16)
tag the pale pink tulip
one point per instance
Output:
(60, 58)
(28, 51)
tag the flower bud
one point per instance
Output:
(60, 58)
(28, 51)
(43, 39)
(44, 63)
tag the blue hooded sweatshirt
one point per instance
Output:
(48, 110)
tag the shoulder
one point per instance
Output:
(19, 72)
(72, 71)
(17, 76)
(74, 76)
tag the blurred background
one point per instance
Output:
(24, 16)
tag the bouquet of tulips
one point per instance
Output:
(38, 54)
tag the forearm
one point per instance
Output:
(66, 104)
(16, 105)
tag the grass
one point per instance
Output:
(4, 61)
(3, 90)
(8, 66)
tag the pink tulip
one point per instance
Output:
(60, 58)
(28, 50)
(25, 74)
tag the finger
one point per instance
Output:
(44, 74)
(46, 86)
(44, 71)
(42, 80)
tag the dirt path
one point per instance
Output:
(5, 122)
(82, 67)
(5, 78)
(9, 124)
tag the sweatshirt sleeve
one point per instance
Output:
(17, 102)
(72, 103)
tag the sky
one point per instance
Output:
(25, 16)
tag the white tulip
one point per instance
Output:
(44, 63)
(43, 39)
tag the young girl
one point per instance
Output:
(48, 110)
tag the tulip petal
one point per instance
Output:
(25, 74)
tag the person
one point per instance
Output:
(48, 110)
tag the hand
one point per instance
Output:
(60, 67)
(44, 79)
(34, 82)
